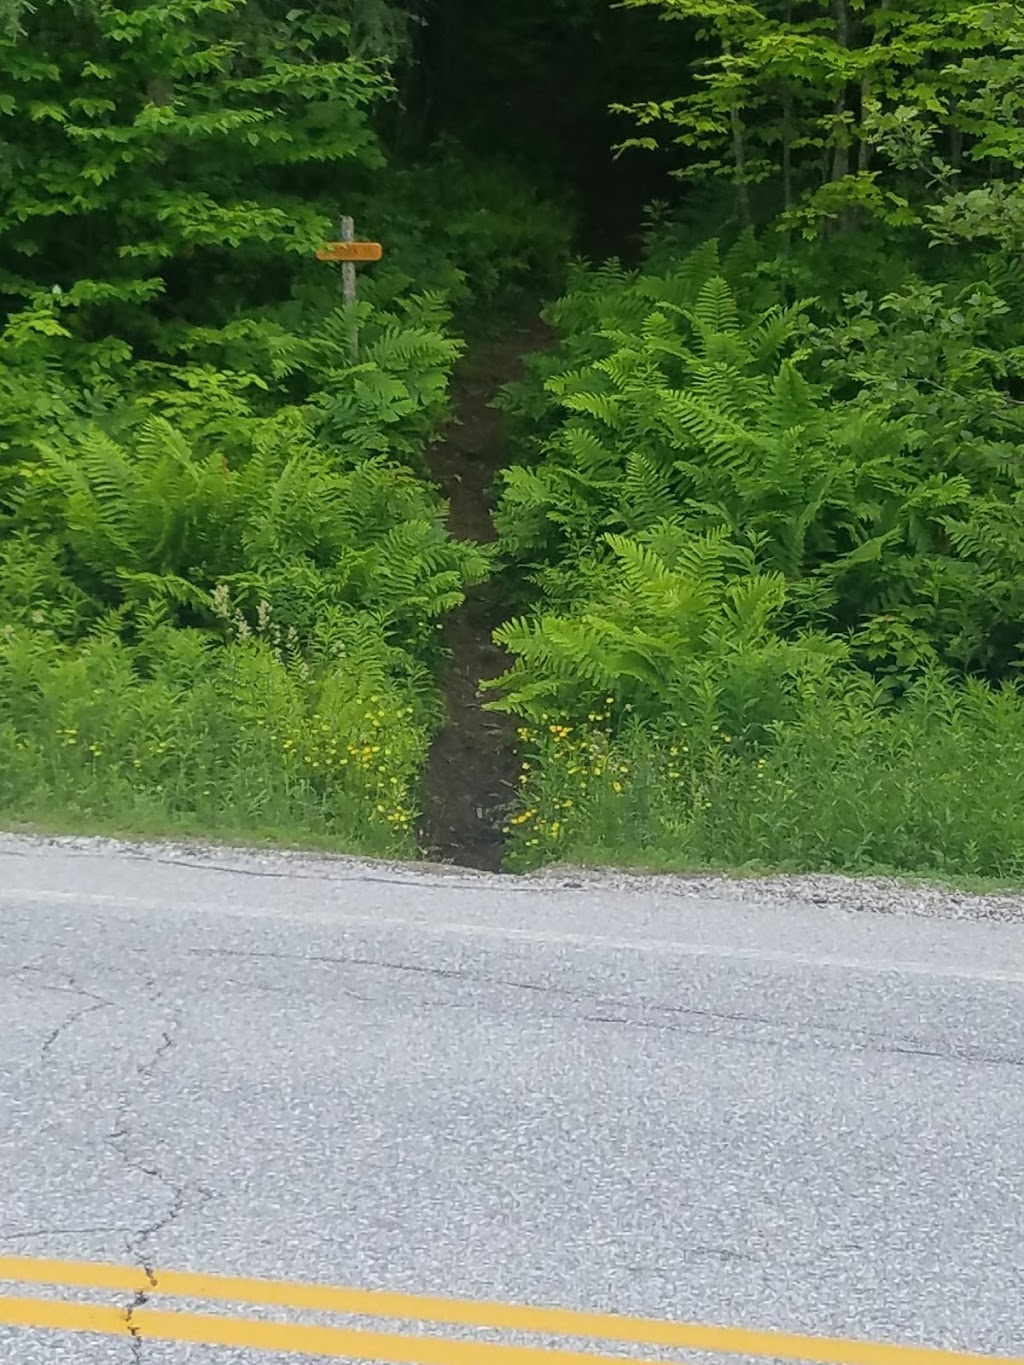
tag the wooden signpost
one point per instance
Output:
(349, 251)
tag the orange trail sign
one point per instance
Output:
(350, 251)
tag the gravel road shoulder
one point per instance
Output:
(863, 895)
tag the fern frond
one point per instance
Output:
(165, 588)
(715, 308)
(647, 496)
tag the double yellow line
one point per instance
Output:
(305, 1339)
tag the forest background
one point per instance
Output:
(757, 561)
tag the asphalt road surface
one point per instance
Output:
(578, 1095)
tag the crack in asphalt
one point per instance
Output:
(725, 1255)
(98, 1003)
(71, 987)
(825, 1036)
(832, 1036)
(120, 1139)
(139, 1301)
(444, 973)
(26, 1234)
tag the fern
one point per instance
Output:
(151, 520)
(709, 468)
(647, 495)
(660, 633)
(715, 309)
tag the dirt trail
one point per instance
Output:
(470, 775)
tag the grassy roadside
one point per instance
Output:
(931, 788)
(229, 741)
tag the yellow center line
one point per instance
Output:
(303, 1339)
(364, 1303)
(334, 1343)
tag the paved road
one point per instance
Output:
(574, 1095)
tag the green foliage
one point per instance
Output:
(154, 521)
(756, 533)
(267, 549)
(768, 499)
(871, 464)
(180, 734)
(942, 365)
(933, 787)
(169, 138)
(390, 396)
(850, 110)
(222, 578)
(476, 226)
(684, 625)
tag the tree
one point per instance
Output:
(845, 105)
(183, 148)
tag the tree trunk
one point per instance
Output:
(787, 144)
(787, 165)
(865, 148)
(841, 150)
(956, 149)
(739, 156)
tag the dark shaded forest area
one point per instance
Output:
(658, 500)
(532, 82)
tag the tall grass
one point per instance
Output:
(181, 733)
(932, 785)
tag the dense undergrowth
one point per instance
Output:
(763, 544)
(222, 572)
(777, 556)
